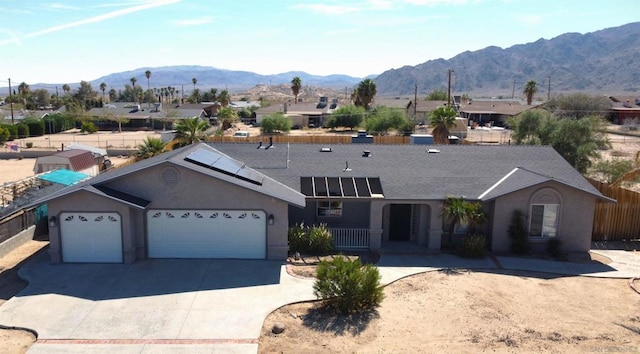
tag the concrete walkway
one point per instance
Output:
(205, 306)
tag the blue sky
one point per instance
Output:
(67, 41)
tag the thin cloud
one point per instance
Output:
(439, 2)
(144, 6)
(193, 22)
(57, 6)
(328, 9)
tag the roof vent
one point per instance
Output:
(366, 153)
(433, 151)
(325, 149)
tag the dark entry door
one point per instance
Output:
(400, 222)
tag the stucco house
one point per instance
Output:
(238, 200)
(77, 160)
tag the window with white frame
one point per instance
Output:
(330, 208)
(544, 220)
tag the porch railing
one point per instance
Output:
(350, 238)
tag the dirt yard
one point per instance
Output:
(463, 312)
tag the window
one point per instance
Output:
(544, 220)
(330, 208)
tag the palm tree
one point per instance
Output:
(530, 90)
(23, 89)
(147, 74)
(66, 89)
(103, 88)
(191, 130)
(226, 117)
(224, 98)
(475, 216)
(366, 91)
(296, 84)
(441, 119)
(455, 211)
(195, 81)
(133, 82)
(150, 147)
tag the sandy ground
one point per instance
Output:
(465, 312)
(101, 139)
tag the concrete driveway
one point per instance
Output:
(208, 305)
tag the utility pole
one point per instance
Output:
(415, 104)
(513, 92)
(449, 88)
(10, 101)
(549, 91)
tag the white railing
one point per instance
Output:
(350, 238)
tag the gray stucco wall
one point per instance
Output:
(355, 214)
(190, 190)
(575, 219)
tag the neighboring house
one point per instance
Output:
(81, 161)
(301, 114)
(625, 110)
(99, 155)
(237, 200)
(134, 115)
(491, 112)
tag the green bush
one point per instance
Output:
(36, 126)
(12, 129)
(473, 246)
(4, 134)
(88, 127)
(23, 130)
(275, 123)
(347, 286)
(518, 234)
(29, 144)
(314, 240)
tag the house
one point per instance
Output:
(491, 112)
(238, 200)
(81, 161)
(301, 114)
(133, 115)
(99, 155)
(625, 110)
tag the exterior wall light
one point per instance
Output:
(52, 221)
(271, 219)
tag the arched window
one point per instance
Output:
(544, 214)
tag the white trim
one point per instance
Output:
(498, 183)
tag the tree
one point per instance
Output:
(147, 74)
(195, 81)
(133, 82)
(526, 126)
(66, 89)
(611, 170)
(275, 123)
(226, 117)
(349, 116)
(296, 84)
(150, 147)
(42, 97)
(195, 96)
(113, 95)
(365, 92)
(103, 88)
(211, 95)
(191, 130)
(455, 211)
(383, 119)
(530, 90)
(437, 95)
(24, 91)
(224, 98)
(442, 119)
(579, 105)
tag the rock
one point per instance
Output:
(277, 328)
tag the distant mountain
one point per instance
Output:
(606, 61)
(210, 77)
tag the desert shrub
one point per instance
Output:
(554, 248)
(36, 126)
(88, 127)
(4, 134)
(348, 286)
(23, 130)
(12, 129)
(518, 234)
(313, 240)
(29, 144)
(473, 246)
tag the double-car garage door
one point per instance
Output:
(206, 234)
(97, 237)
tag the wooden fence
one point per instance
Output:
(616, 221)
(308, 139)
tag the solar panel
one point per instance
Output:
(223, 164)
(306, 186)
(346, 187)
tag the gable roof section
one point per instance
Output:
(408, 172)
(96, 184)
(79, 159)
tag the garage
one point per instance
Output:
(91, 237)
(238, 234)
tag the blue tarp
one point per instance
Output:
(64, 177)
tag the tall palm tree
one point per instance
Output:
(23, 89)
(296, 84)
(191, 130)
(226, 117)
(455, 211)
(147, 74)
(103, 88)
(133, 82)
(150, 147)
(441, 119)
(530, 90)
(224, 98)
(366, 91)
(195, 81)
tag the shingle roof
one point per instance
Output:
(409, 172)
(79, 159)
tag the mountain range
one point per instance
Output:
(605, 61)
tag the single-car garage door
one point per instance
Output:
(207, 234)
(91, 237)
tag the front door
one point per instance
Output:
(400, 222)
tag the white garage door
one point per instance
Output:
(207, 234)
(91, 237)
